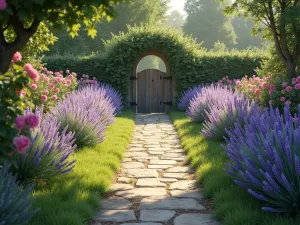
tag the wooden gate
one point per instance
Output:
(153, 92)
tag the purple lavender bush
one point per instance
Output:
(224, 114)
(265, 159)
(15, 201)
(209, 95)
(187, 96)
(86, 113)
(49, 153)
(114, 95)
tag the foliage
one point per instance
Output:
(24, 17)
(129, 13)
(209, 95)
(231, 204)
(190, 64)
(15, 201)
(272, 89)
(207, 23)
(86, 113)
(48, 155)
(187, 96)
(265, 154)
(175, 20)
(74, 197)
(281, 24)
(12, 104)
(222, 115)
(51, 87)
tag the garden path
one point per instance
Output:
(154, 186)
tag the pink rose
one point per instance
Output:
(270, 102)
(20, 123)
(47, 79)
(57, 74)
(70, 77)
(74, 74)
(282, 91)
(297, 86)
(68, 82)
(21, 143)
(284, 84)
(282, 99)
(67, 71)
(3, 4)
(288, 102)
(28, 67)
(51, 86)
(33, 87)
(272, 87)
(288, 88)
(260, 86)
(66, 86)
(46, 92)
(43, 75)
(298, 79)
(257, 92)
(44, 98)
(54, 97)
(32, 120)
(56, 81)
(17, 57)
(33, 74)
(56, 90)
(265, 85)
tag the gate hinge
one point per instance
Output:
(133, 78)
(133, 104)
(167, 78)
(167, 103)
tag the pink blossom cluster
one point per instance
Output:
(85, 81)
(226, 81)
(22, 143)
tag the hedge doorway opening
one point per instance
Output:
(151, 87)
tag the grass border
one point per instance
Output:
(73, 198)
(232, 204)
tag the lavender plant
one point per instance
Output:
(114, 95)
(187, 96)
(225, 113)
(48, 155)
(15, 201)
(86, 113)
(209, 95)
(265, 158)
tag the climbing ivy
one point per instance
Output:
(190, 63)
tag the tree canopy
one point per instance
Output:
(24, 18)
(281, 23)
(207, 22)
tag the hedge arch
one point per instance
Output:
(124, 51)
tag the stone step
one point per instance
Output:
(141, 192)
(115, 215)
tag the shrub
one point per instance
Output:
(208, 95)
(50, 87)
(265, 154)
(48, 155)
(187, 96)
(114, 95)
(87, 113)
(222, 115)
(14, 200)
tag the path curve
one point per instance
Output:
(154, 187)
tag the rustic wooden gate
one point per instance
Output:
(153, 92)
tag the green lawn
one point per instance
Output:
(72, 199)
(232, 205)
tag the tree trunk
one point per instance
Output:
(291, 69)
(5, 60)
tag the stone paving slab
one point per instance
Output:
(180, 176)
(116, 203)
(155, 215)
(115, 215)
(141, 224)
(162, 162)
(149, 182)
(133, 165)
(184, 185)
(141, 192)
(141, 173)
(196, 194)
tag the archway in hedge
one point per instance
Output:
(124, 51)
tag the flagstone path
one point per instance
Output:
(154, 187)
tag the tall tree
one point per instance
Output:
(129, 13)
(282, 25)
(175, 20)
(243, 30)
(24, 17)
(207, 22)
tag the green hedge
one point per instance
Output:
(190, 64)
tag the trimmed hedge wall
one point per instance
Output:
(190, 64)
